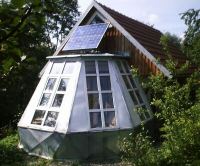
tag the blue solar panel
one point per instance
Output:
(86, 37)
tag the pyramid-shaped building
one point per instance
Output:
(87, 97)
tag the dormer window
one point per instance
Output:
(96, 20)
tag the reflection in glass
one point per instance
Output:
(51, 119)
(56, 68)
(107, 100)
(69, 68)
(110, 120)
(138, 96)
(103, 67)
(133, 97)
(95, 119)
(97, 20)
(105, 82)
(45, 99)
(126, 82)
(120, 67)
(91, 83)
(93, 100)
(125, 64)
(58, 100)
(132, 81)
(50, 84)
(38, 116)
(142, 117)
(90, 67)
(146, 112)
(63, 84)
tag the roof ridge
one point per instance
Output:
(149, 27)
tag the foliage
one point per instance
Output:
(171, 63)
(179, 112)
(138, 149)
(177, 106)
(27, 28)
(170, 39)
(8, 150)
(192, 35)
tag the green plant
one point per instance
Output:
(9, 152)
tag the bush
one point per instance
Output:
(179, 112)
(9, 152)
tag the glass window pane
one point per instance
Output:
(103, 67)
(93, 100)
(91, 83)
(95, 119)
(38, 116)
(51, 119)
(63, 84)
(120, 67)
(110, 120)
(97, 20)
(139, 97)
(107, 100)
(45, 99)
(57, 68)
(69, 68)
(58, 100)
(90, 67)
(142, 117)
(132, 81)
(133, 97)
(126, 66)
(50, 84)
(105, 82)
(146, 112)
(126, 82)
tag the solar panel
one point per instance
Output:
(86, 37)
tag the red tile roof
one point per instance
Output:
(146, 35)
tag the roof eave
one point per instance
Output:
(121, 29)
(163, 69)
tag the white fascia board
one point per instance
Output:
(132, 40)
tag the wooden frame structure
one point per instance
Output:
(125, 36)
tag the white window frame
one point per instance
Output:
(96, 13)
(100, 92)
(133, 89)
(54, 91)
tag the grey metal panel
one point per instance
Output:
(49, 146)
(79, 120)
(29, 138)
(74, 146)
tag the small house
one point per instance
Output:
(87, 97)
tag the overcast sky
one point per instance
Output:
(163, 14)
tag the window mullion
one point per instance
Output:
(53, 92)
(100, 94)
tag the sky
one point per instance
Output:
(164, 15)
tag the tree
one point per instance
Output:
(27, 28)
(177, 108)
(172, 39)
(192, 35)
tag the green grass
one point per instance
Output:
(11, 155)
